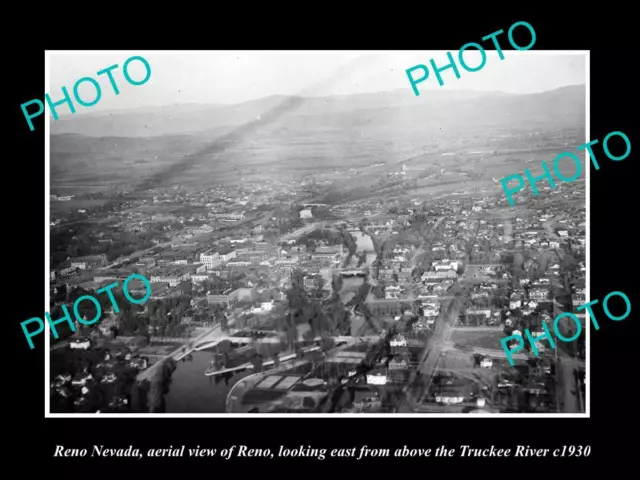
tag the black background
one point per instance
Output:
(608, 34)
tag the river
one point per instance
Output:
(350, 285)
(193, 392)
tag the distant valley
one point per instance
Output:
(278, 135)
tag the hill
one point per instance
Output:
(180, 119)
(278, 134)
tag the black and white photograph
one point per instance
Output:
(282, 233)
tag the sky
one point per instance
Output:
(228, 77)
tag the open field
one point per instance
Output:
(456, 360)
(467, 339)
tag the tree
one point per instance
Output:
(336, 283)
(327, 343)
(224, 323)
(160, 383)
(257, 363)
(568, 265)
(139, 392)
(297, 279)
(292, 335)
(308, 336)
(308, 403)
(417, 272)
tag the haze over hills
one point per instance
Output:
(147, 147)
(189, 118)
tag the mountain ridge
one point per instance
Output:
(184, 119)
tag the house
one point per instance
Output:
(81, 379)
(312, 281)
(430, 309)
(450, 394)
(60, 380)
(486, 362)
(515, 301)
(377, 376)
(439, 276)
(64, 392)
(366, 399)
(538, 294)
(400, 362)
(139, 363)
(398, 341)
(80, 344)
(306, 213)
(264, 307)
(485, 312)
(445, 265)
(68, 271)
(109, 378)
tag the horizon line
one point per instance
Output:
(397, 90)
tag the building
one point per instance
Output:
(336, 252)
(538, 293)
(218, 299)
(227, 254)
(68, 271)
(306, 213)
(400, 362)
(227, 298)
(80, 344)
(312, 281)
(366, 399)
(204, 229)
(210, 259)
(484, 312)
(377, 376)
(439, 276)
(228, 216)
(398, 341)
(173, 276)
(89, 261)
(389, 307)
(445, 265)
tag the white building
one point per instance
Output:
(225, 257)
(210, 259)
(199, 278)
(306, 213)
(83, 344)
(487, 362)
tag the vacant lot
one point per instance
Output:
(456, 360)
(482, 339)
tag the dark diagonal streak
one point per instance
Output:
(271, 116)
